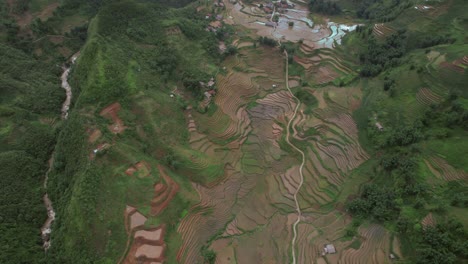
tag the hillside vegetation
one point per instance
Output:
(186, 142)
(418, 96)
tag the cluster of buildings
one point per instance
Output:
(280, 5)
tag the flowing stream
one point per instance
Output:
(46, 229)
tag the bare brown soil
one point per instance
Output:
(94, 135)
(163, 192)
(47, 12)
(441, 169)
(111, 112)
(452, 67)
(148, 246)
(136, 220)
(428, 221)
(141, 169)
(325, 74)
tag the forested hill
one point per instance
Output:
(30, 103)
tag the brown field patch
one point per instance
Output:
(325, 74)
(173, 31)
(452, 67)
(163, 192)
(48, 11)
(293, 83)
(94, 135)
(141, 169)
(245, 44)
(441, 169)
(426, 97)
(429, 220)
(382, 30)
(375, 247)
(148, 246)
(136, 220)
(307, 47)
(111, 112)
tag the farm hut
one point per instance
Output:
(270, 24)
(212, 92)
(211, 82)
(207, 95)
(379, 126)
(330, 249)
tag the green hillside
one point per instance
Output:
(182, 121)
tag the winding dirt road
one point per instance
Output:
(298, 208)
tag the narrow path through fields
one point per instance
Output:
(298, 208)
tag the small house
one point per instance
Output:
(207, 95)
(270, 24)
(211, 82)
(219, 17)
(329, 249)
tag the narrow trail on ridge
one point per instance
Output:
(298, 208)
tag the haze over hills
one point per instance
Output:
(233, 131)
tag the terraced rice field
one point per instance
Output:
(322, 65)
(382, 30)
(441, 169)
(427, 97)
(247, 215)
(374, 248)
